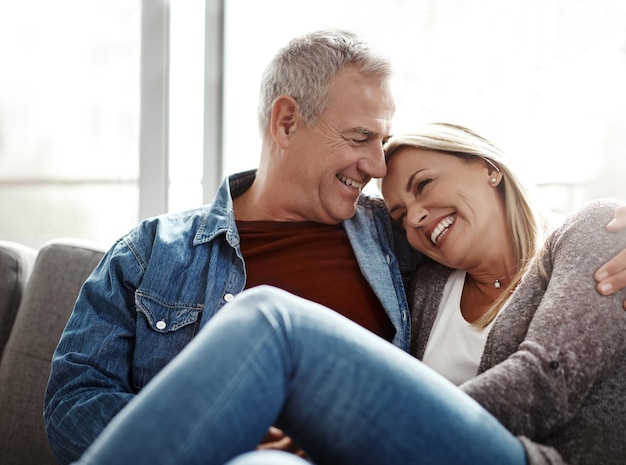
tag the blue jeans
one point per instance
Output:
(343, 394)
(268, 457)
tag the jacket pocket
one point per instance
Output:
(163, 329)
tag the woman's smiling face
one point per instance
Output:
(448, 205)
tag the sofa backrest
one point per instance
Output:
(16, 264)
(59, 271)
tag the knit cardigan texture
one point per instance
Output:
(553, 370)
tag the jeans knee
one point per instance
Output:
(285, 313)
(263, 293)
(269, 303)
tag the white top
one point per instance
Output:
(454, 347)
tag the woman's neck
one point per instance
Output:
(477, 298)
(486, 282)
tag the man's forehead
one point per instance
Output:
(357, 89)
(368, 112)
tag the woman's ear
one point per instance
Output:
(495, 175)
(283, 122)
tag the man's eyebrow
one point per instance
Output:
(364, 131)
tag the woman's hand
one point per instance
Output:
(611, 276)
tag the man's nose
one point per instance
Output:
(374, 164)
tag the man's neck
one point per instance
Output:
(257, 205)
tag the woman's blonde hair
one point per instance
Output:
(525, 223)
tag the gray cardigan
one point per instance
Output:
(554, 366)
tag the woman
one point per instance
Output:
(470, 212)
(552, 372)
(552, 344)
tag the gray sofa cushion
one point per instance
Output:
(16, 263)
(59, 271)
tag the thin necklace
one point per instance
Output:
(497, 283)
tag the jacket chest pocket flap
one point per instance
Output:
(163, 330)
(164, 317)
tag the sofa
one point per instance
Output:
(16, 264)
(38, 289)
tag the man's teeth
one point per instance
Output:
(350, 182)
(441, 228)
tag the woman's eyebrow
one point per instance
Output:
(409, 183)
(411, 178)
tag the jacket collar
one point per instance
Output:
(219, 216)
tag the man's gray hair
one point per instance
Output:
(304, 68)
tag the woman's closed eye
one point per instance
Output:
(419, 186)
(400, 218)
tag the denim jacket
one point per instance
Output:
(159, 284)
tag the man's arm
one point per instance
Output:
(611, 276)
(90, 376)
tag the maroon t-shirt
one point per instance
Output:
(314, 261)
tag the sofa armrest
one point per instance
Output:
(16, 264)
(59, 271)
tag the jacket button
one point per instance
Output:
(161, 325)
(229, 297)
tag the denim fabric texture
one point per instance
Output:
(160, 284)
(342, 393)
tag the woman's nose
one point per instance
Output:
(416, 216)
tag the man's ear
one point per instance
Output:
(283, 122)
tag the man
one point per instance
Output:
(299, 222)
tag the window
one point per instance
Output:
(544, 78)
(113, 110)
(69, 118)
